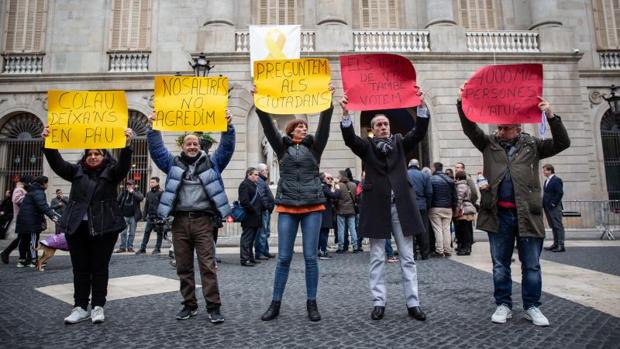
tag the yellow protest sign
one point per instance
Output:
(86, 119)
(185, 103)
(294, 86)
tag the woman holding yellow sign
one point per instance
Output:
(299, 200)
(91, 222)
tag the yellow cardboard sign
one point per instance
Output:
(293, 86)
(86, 119)
(187, 103)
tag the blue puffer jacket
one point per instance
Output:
(209, 174)
(444, 191)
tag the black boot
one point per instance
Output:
(559, 248)
(552, 247)
(272, 312)
(313, 311)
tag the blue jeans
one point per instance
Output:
(287, 232)
(261, 242)
(502, 245)
(389, 251)
(129, 233)
(346, 221)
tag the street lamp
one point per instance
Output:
(201, 65)
(614, 101)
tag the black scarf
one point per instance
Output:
(189, 160)
(384, 145)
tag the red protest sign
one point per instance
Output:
(378, 81)
(504, 94)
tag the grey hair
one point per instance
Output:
(414, 162)
(261, 167)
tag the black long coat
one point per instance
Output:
(385, 174)
(93, 192)
(30, 218)
(328, 213)
(253, 208)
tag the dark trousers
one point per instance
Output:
(323, 235)
(554, 219)
(28, 246)
(247, 241)
(189, 233)
(5, 222)
(422, 241)
(150, 225)
(464, 232)
(12, 246)
(90, 257)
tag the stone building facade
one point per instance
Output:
(123, 44)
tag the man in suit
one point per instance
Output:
(552, 204)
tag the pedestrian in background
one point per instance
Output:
(250, 200)
(129, 202)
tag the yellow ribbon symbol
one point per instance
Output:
(275, 42)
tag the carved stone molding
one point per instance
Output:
(596, 97)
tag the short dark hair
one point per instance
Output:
(549, 167)
(58, 191)
(460, 175)
(41, 180)
(155, 178)
(292, 125)
(438, 166)
(460, 163)
(250, 170)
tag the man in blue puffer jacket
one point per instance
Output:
(194, 194)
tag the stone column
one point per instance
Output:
(445, 35)
(217, 33)
(544, 14)
(333, 25)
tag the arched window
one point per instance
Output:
(610, 139)
(140, 161)
(20, 149)
(278, 11)
(479, 14)
(377, 14)
(607, 23)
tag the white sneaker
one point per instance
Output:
(97, 315)
(536, 317)
(501, 314)
(77, 315)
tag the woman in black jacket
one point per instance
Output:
(300, 201)
(91, 221)
(250, 200)
(31, 221)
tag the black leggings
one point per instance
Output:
(90, 257)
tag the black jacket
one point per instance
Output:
(137, 197)
(384, 175)
(253, 207)
(444, 191)
(299, 183)
(152, 202)
(266, 195)
(93, 192)
(553, 193)
(30, 218)
(328, 214)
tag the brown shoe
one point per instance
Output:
(120, 250)
(130, 250)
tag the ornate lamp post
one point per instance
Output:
(614, 101)
(201, 65)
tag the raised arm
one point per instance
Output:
(273, 136)
(123, 164)
(475, 134)
(322, 132)
(559, 136)
(359, 146)
(413, 137)
(224, 152)
(61, 167)
(160, 155)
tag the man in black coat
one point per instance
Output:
(58, 204)
(129, 203)
(552, 204)
(388, 205)
(250, 200)
(327, 222)
(150, 214)
(261, 243)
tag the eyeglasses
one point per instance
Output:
(329, 178)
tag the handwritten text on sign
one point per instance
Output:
(184, 103)
(296, 86)
(378, 81)
(504, 94)
(86, 119)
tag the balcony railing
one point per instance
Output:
(390, 41)
(242, 41)
(508, 41)
(610, 60)
(20, 63)
(127, 62)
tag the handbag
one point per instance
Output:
(238, 212)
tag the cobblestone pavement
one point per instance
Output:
(603, 259)
(457, 298)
